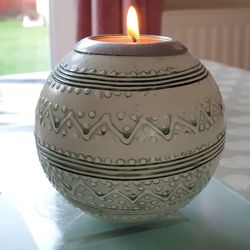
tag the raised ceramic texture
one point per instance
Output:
(129, 138)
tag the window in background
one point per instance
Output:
(24, 41)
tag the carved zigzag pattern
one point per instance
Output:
(196, 188)
(127, 138)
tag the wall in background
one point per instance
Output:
(62, 28)
(198, 4)
(63, 20)
(221, 34)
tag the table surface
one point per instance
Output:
(218, 218)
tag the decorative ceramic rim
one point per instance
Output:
(96, 46)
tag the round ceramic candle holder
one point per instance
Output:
(129, 131)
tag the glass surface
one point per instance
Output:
(12, 224)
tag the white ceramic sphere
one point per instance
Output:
(129, 138)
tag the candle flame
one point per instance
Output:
(132, 24)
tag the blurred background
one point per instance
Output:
(35, 34)
(24, 43)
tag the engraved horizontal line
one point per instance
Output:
(132, 172)
(128, 166)
(59, 76)
(104, 165)
(117, 78)
(166, 168)
(144, 168)
(135, 175)
(131, 87)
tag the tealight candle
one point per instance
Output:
(133, 44)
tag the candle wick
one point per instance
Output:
(133, 38)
